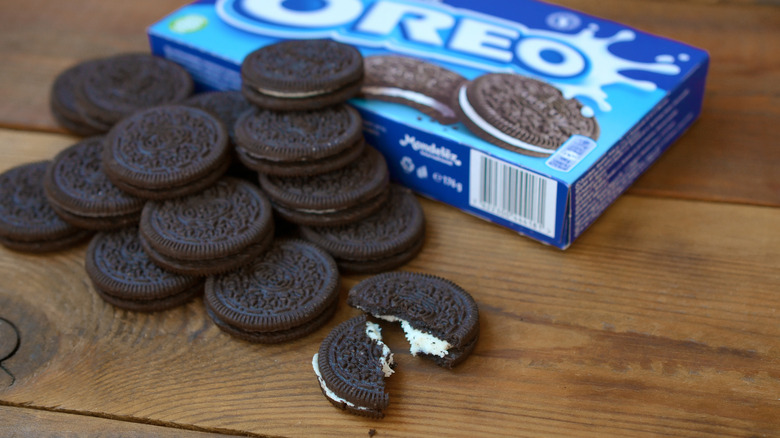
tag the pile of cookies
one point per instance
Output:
(182, 195)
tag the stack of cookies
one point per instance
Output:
(308, 149)
(161, 180)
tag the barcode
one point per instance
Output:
(513, 194)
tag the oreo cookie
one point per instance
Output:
(440, 319)
(210, 232)
(328, 199)
(227, 106)
(27, 221)
(110, 89)
(125, 277)
(351, 365)
(301, 74)
(383, 241)
(81, 193)
(414, 82)
(296, 143)
(285, 294)
(63, 106)
(522, 114)
(166, 152)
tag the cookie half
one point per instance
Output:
(301, 74)
(166, 152)
(115, 87)
(522, 114)
(440, 319)
(383, 241)
(210, 232)
(414, 82)
(125, 277)
(299, 142)
(338, 197)
(81, 193)
(285, 294)
(351, 365)
(27, 221)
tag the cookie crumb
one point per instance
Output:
(371, 432)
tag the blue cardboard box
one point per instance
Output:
(644, 91)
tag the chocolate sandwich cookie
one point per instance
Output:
(210, 232)
(27, 221)
(522, 114)
(166, 152)
(439, 318)
(285, 294)
(414, 82)
(63, 106)
(294, 143)
(115, 87)
(227, 106)
(328, 199)
(301, 74)
(383, 241)
(81, 193)
(125, 277)
(351, 365)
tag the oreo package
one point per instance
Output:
(526, 114)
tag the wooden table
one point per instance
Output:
(662, 319)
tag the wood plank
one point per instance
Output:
(662, 319)
(722, 158)
(23, 422)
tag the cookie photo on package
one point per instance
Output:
(529, 115)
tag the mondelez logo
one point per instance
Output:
(579, 64)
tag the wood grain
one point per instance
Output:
(23, 423)
(662, 319)
(722, 158)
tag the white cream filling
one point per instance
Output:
(420, 341)
(412, 96)
(308, 211)
(373, 331)
(467, 109)
(330, 394)
(292, 94)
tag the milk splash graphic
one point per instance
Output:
(606, 68)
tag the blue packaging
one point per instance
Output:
(643, 90)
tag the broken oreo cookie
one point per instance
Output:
(351, 365)
(440, 319)
(522, 114)
(285, 294)
(301, 74)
